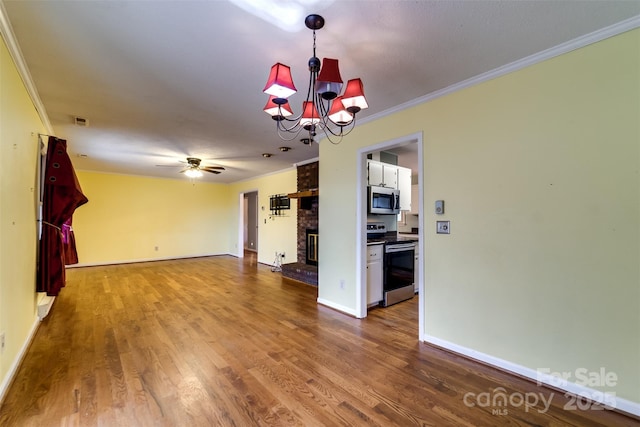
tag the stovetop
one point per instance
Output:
(391, 238)
(377, 233)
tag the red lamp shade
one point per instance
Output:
(310, 115)
(329, 82)
(275, 110)
(280, 83)
(338, 114)
(353, 98)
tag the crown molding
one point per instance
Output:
(577, 43)
(16, 54)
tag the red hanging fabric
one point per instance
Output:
(61, 196)
(69, 244)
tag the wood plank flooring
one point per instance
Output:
(221, 341)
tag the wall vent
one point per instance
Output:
(80, 121)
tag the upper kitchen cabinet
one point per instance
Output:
(382, 174)
(404, 185)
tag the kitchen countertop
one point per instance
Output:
(393, 237)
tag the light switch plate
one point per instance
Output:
(439, 207)
(442, 227)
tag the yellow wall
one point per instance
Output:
(19, 126)
(275, 233)
(127, 217)
(539, 172)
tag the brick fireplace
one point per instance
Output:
(305, 269)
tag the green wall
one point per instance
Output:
(539, 172)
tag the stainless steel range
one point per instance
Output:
(398, 264)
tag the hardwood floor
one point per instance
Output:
(221, 341)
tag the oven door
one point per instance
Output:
(398, 273)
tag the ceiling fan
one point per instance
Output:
(194, 170)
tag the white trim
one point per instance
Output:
(620, 404)
(306, 162)
(338, 307)
(571, 45)
(16, 54)
(240, 242)
(361, 234)
(132, 261)
(45, 302)
(421, 234)
(13, 369)
(361, 218)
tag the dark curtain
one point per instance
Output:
(61, 196)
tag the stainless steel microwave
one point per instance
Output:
(383, 200)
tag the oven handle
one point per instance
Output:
(400, 248)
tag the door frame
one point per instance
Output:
(241, 205)
(361, 221)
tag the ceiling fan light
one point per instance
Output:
(338, 114)
(280, 83)
(310, 114)
(329, 82)
(277, 111)
(353, 98)
(193, 173)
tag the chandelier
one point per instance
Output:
(323, 109)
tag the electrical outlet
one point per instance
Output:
(156, 248)
(2, 342)
(342, 284)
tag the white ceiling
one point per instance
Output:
(162, 80)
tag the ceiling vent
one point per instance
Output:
(81, 121)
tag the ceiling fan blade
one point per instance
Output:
(210, 171)
(210, 168)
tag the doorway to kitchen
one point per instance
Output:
(408, 151)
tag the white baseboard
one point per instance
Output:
(338, 307)
(45, 302)
(133, 261)
(620, 404)
(6, 381)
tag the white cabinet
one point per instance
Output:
(404, 185)
(382, 174)
(415, 199)
(374, 273)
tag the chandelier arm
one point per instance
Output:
(312, 85)
(330, 139)
(348, 126)
(293, 128)
(294, 134)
